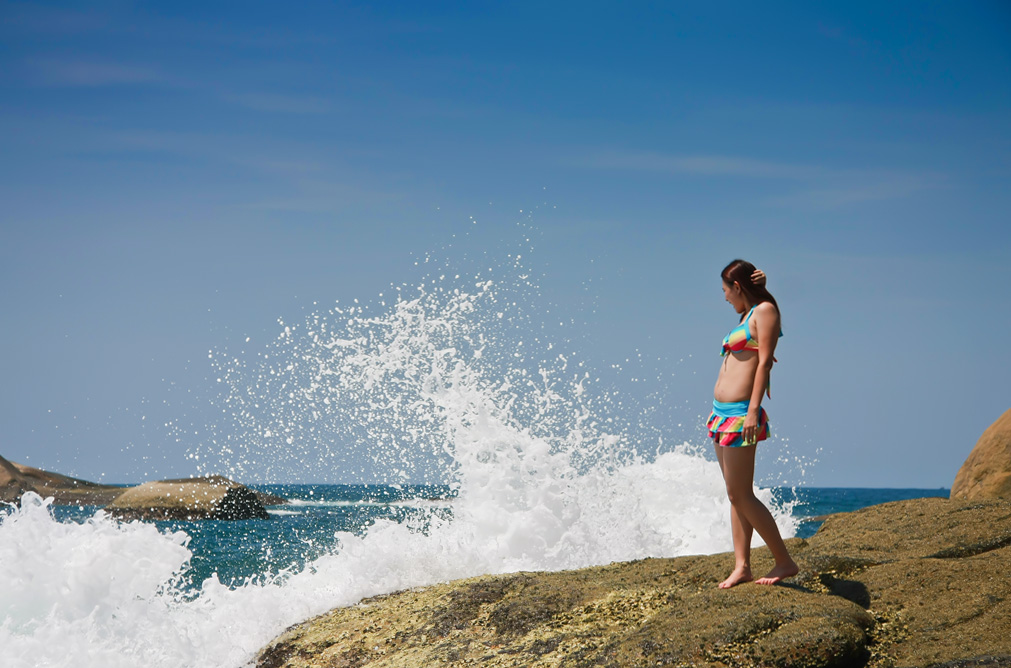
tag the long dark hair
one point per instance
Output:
(740, 271)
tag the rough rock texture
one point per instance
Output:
(16, 479)
(911, 583)
(986, 473)
(211, 497)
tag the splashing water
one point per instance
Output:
(455, 383)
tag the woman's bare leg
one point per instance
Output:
(742, 531)
(738, 466)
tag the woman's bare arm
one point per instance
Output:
(766, 319)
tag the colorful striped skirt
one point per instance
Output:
(726, 423)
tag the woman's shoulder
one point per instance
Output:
(766, 313)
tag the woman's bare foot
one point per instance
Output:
(740, 574)
(778, 573)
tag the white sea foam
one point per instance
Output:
(405, 503)
(548, 475)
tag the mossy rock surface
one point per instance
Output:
(912, 583)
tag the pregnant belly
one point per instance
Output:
(736, 379)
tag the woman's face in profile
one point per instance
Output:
(735, 297)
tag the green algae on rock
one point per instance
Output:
(909, 583)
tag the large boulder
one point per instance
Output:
(210, 497)
(986, 473)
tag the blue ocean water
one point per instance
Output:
(813, 503)
(240, 552)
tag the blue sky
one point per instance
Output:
(178, 176)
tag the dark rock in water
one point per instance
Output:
(211, 497)
(925, 582)
(16, 479)
(986, 473)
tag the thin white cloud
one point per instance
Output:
(84, 73)
(806, 187)
(300, 178)
(849, 188)
(279, 166)
(275, 158)
(703, 165)
(285, 104)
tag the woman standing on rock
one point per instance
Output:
(738, 420)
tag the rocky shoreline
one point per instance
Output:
(925, 582)
(908, 584)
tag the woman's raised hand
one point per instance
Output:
(758, 277)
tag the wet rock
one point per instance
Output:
(210, 497)
(912, 583)
(986, 473)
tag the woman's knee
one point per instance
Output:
(739, 495)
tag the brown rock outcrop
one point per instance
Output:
(12, 483)
(210, 497)
(16, 479)
(918, 583)
(986, 473)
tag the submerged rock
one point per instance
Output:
(909, 583)
(986, 473)
(210, 497)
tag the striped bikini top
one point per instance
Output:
(739, 339)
